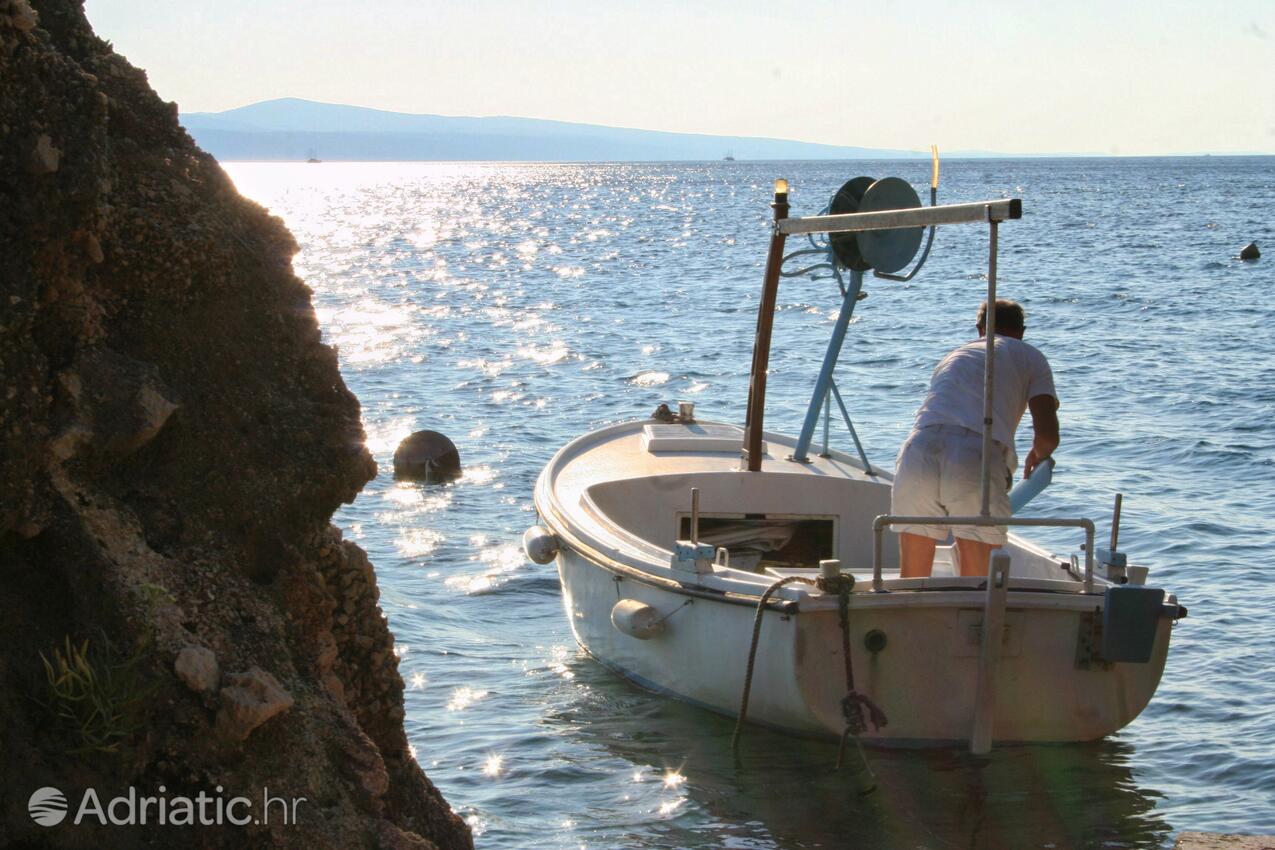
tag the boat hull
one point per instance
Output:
(1049, 689)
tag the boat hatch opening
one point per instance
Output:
(757, 542)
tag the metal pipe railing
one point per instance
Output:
(989, 381)
(880, 523)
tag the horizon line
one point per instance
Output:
(962, 154)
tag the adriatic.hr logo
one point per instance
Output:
(49, 807)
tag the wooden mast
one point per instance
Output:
(753, 420)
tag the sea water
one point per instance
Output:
(516, 306)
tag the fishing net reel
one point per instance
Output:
(883, 252)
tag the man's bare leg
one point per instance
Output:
(973, 556)
(916, 555)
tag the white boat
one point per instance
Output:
(674, 538)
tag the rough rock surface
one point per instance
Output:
(197, 667)
(248, 700)
(174, 438)
(1220, 841)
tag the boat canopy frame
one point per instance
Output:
(991, 213)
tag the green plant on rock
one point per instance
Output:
(156, 595)
(96, 695)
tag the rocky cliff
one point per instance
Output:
(175, 608)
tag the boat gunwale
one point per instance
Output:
(971, 597)
(554, 513)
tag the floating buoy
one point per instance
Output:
(1250, 252)
(427, 456)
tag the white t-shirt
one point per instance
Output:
(956, 389)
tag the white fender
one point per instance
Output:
(540, 545)
(637, 619)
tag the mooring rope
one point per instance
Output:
(752, 652)
(854, 704)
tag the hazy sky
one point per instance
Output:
(1134, 77)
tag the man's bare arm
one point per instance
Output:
(1044, 410)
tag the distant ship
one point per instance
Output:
(728, 158)
(313, 157)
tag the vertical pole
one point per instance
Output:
(989, 368)
(695, 515)
(878, 536)
(1115, 522)
(753, 423)
(989, 655)
(1089, 544)
(824, 381)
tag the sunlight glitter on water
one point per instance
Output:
(502, 396)
(463, 698)
(374, 331)
(649, 379)
(418, 542)
(547, 355)
(500, 561)
(476, 825)
(405, 496)
(559, 658)
(472, 585)
(668, 807)
(382, 436)
(490, 368)
(479, 475)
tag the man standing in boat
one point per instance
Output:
(939, 468)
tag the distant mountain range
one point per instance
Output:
(294, 129)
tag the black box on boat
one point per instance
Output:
(1130, 617)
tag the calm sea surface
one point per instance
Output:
(515, 306)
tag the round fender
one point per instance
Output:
(637, 619)
(540, 545)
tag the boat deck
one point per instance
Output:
(625, 493)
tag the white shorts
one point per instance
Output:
(939, 473)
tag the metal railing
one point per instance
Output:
(880, 523)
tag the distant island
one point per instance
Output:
(294, 129)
